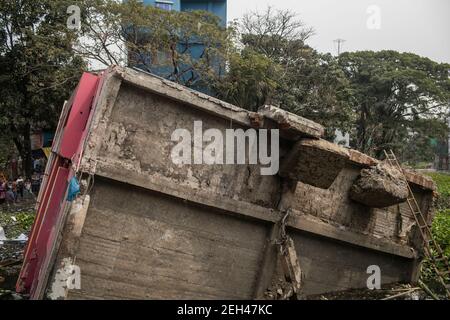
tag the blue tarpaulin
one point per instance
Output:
(74, 189)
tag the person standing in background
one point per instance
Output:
(14, 190)
(2, 192)
(28, 188)
(20, 187)
(10, 197)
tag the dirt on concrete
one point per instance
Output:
(396, 291)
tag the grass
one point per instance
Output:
(443, 186)
(15, 223)
(441, 223)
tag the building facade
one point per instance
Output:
(217, 7)
(196, 47)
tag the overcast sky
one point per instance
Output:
(419, 26)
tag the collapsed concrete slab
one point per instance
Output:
(314, 161)
(193, 231)
(380, 186)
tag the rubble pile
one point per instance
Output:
(15, 224)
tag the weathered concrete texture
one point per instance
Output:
(361, 159)
(138, 143)
(315, 162)
(334, 206)
(421, 181)
(380, 186)
(331, 266)
(327, 267)
(155, 229)
(144, 245)
(295, 125)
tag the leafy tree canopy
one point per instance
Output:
(185, 47)
(393, 94)
(277, 67)
(38, 68)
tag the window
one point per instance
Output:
(164, 5)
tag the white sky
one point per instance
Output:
(418, 26)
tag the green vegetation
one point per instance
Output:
(443, 187)
(441, 224)
(16, 223)
(38, 69)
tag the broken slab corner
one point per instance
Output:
(293, 125)
(315, 162)
(380, 186)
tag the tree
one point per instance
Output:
(276, 66)
(422, 142)
(186, 47)
(38, 69)
(251, 81)
(394, 94)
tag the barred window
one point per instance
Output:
(164, 5)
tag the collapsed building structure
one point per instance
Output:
(146, 228)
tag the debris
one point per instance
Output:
(428, 290)
(2, 235)
(7, 263)
(379, 187)
(393, 291)
(22, 237)
(410, 291)
(291, 266)
(289, 260)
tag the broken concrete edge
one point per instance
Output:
(58, 289)
(251, 211)
(66, 249)
(114, 76)
(318, 227)
(359, 159)
(316, 162)
(287, 120)
(326, 146)
(364, 161)
(268, 264)
(420, 180)
(177, 92)
(102, 107)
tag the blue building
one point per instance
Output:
(218, 7)
(195, 50)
